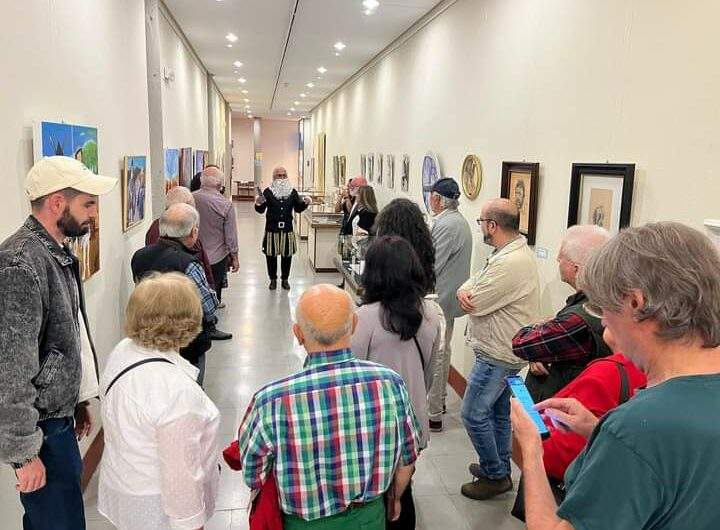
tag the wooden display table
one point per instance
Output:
(323, 234)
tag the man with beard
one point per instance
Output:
(499, 299)
(47, 360)
(279, 200)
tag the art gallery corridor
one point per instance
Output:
(263, 349)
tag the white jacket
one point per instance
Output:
(506, 296)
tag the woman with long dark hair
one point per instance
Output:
(367, 211)
(398, 328)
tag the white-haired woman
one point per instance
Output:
(159, 468)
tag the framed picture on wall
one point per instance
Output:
(342, 169)
(370, 167)
(379, 166)
(601, 194)
(133, 190)
(363, 166)
(520, 185)
(430, 175)
(471, 176)
(405, 174)
(336, 170)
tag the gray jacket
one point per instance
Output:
(453, 242)
(40, 349)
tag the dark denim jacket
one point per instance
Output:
(40, 352)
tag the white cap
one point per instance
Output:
(55, 173)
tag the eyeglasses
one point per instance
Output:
(481, 220)
(593, 310)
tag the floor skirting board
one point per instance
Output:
(457, 381)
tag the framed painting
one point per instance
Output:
(336, 170)
(379, 166)
(186, 166)
(343, 169)
(363, 165)
(390, 171)
(79, 142)
(370, 167)
(133, 191)
(520, 185)
(430, 175)
(320, 165)
(199, 164)
(172, 168)
(405, 174)
(471, 176)
(601, 194)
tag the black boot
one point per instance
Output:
(273, 285)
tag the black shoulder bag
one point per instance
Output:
(135, 365)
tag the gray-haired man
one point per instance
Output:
(453, 242)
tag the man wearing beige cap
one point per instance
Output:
(47, 368)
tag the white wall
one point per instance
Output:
(184, 98)
(280, 148)
(242, 135)
(85, 63)
(552, 81)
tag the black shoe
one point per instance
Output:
(482, 489)
(285, 285)
(216, 334)
(435, 426)
(444, 409)
(273, 285)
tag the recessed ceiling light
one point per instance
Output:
(339, 46)
(370, 4)
(231, 37)
(237, 64)
(292, 109)
(337, 54)
(296, 103)
(228, 45)
(303, 95)
(322, 69)
(289, 113)
(318, 77)
(246, 100)
(310, 85)
(242, 80)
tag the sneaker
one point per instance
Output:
(285, 285)
(482, 489)
(216, 334)
(273, 285)
(435, 426)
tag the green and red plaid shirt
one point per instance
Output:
(334, 432)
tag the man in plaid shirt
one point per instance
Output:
(560, 348)
(337, 435)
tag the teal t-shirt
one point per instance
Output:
(653, 463)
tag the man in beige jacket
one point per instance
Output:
(500, 299)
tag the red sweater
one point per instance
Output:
(598, 388)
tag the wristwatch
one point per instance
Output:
(22, 464)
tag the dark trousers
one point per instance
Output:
(59, 504)
(285, 262)
(219, 271)
(407, 513)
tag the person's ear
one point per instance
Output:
(355, 320)
(298, 334)
(636, 301)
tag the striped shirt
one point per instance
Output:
(334, 432)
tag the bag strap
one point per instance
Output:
(135, 365)
(624, 383)
(422, 359)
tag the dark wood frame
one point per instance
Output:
(534, 169)
(623, 171)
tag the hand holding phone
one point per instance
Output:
(520, 391)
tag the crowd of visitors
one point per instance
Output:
(625, 374)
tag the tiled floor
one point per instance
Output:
(263, 349)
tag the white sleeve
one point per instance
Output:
(182, 472)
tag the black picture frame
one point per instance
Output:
(532, 169)
(626, 172)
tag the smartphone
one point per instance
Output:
(259, 191)
(520, 391)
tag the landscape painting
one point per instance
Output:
(172, 168)
(186, 166)
(134, 185)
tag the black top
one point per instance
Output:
(347, 220)
(366, 220)
(280, 211)
(167, 255)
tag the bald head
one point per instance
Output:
(504, 213)
(177, 195)
(212, 177)
(325, 318)
(279, 173)
(179, 221)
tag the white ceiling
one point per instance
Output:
(262, 28)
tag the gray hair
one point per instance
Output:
(677, 270)
(582, 240)
(325, 337)
(446, 202)
(179, 194)
(178, 221)
(211, 177)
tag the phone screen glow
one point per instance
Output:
(520, 391)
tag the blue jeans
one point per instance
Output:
(486, 415)
(59, 504)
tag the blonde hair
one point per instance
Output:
(164, 312)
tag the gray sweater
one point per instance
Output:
(453, 243)
(373, 343)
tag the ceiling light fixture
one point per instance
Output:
(244, 91)
(322, 69)
(296, 103)
(231, 37)
(237, 64)
(246, 100)
(310, 85)
(370, 5)
(339, 46)
(292, 109)
(303, 95)
(228, 45)
(242, 80)
(289, 113)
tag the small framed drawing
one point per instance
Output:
(379, 166)
(520, 185)
(601, 194)
(336, 170)
(430, 175)
(342, 169)
(370, 167)
(405, 174)
(390, 171)
(471, 176)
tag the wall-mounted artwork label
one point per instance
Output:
(133, 190)
(79, 142)
(172, 168)
(430, 175)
